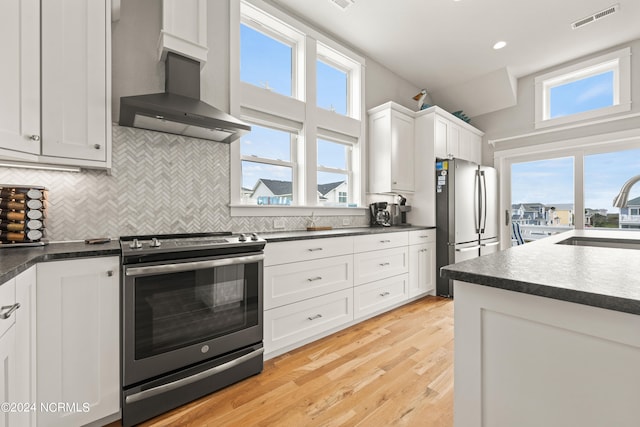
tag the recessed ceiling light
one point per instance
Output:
(499, 45)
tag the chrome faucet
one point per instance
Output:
(620, 201)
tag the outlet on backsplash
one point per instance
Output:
(278, 223)
(346, 221)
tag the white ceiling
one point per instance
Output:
(439, 44)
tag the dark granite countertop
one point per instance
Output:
(597, 276)
(285, 236)
(14, 261)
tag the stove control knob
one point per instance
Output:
(254, 236)
(242, 237)
(155, 243)
(135, 244)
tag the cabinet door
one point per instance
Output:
(422, 273)
(78, 339)
(75, 80)
(402, 158)
(184, 28)
(376, 265)
(441, 137)
(25, 388)
(376, 296)
(7, 372)
(20, 76)
(453, 141)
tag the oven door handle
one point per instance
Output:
(189, 380)
(190, 266)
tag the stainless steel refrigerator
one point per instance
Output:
(466, 214)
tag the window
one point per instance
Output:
(266, 61)
(334, 160)
(579, 176)
(542, 197)
(299, 153)
(604, 175)
(268, 172)
(587, 90)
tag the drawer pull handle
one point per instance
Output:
(423, 237)
(314, 249)
(383, 264)
(384, 294)
(385, 241)
(9, 312)
(313, 279)
(317, 316)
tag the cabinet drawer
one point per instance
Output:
(305, 250)
(7, 300)
(291, 323)
(418, 237)
(375, 296)
(288, 283)
(369, 266)
(373, 242)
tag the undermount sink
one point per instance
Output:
(601, 242)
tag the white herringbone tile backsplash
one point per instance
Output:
(159, 183)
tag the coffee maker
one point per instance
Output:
(398, 211)
(379, 215)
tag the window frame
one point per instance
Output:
(349, 164)
(253, 103)
(577, 148)
(293, 155)
(618, 61)
(335, 60)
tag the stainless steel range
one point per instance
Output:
(191, 317)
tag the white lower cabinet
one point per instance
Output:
(78, 350)
(375, 296)
(315, 287)
(292, 323)
(7, 348)
(25, 387)
(288, 283)
(17, 347)
(422, 262)
(376, 265)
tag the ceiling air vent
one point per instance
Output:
(598, 15)
(342, 4)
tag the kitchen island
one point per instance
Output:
(552, 334)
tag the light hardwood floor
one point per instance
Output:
(393, 369)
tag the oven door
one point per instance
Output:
(176, 314)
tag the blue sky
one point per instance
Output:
(265, 62)
(551, 181)
(582, 95)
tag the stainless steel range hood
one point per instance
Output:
(179, 109)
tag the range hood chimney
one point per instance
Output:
(179, 109)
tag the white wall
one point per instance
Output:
(519, 120)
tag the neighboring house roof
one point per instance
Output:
(325, 188)
(278, 188)
(284, 188)
(634, 202)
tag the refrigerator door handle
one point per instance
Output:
(484, 245)
(470, 248)
(476, 201)
(484, 196)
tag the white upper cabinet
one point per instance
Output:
(76, 121)
(391, 149)
(456, 140)
(20, 76)
(56, 82)
(184, 29)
